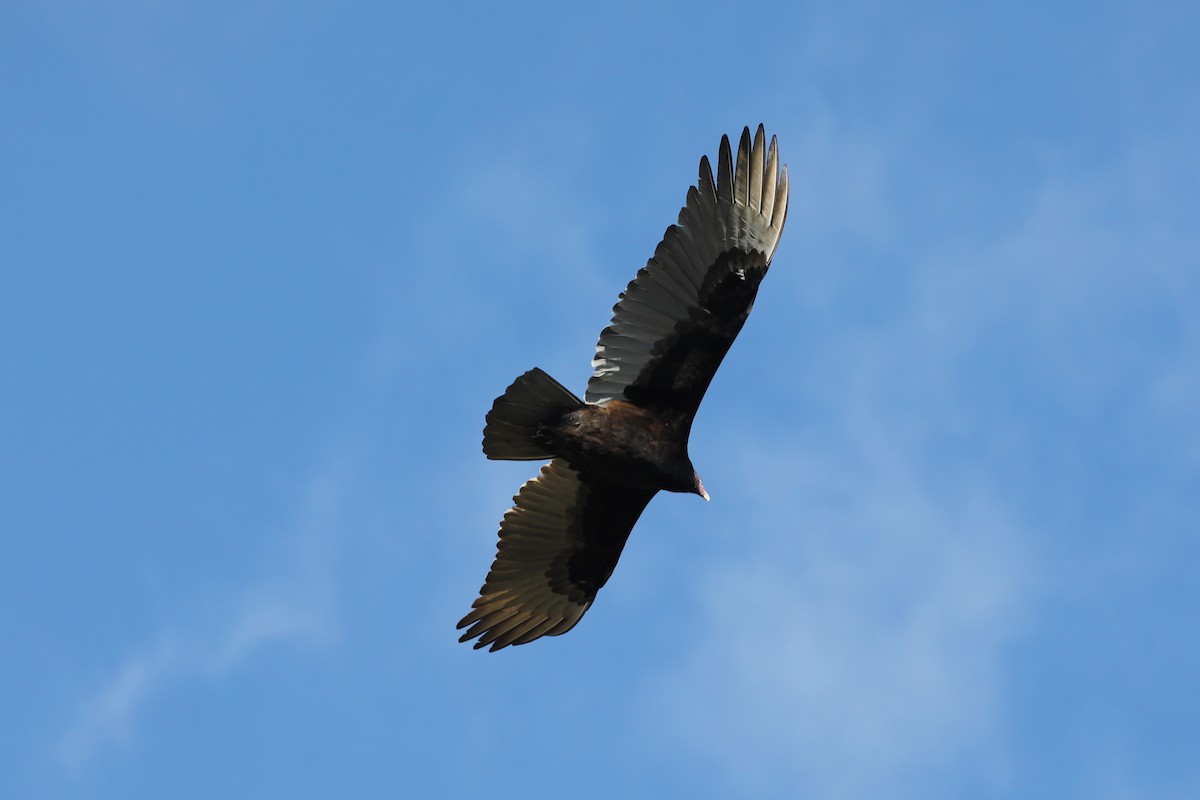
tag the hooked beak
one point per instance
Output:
(700, 489)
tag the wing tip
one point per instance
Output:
(725, 171)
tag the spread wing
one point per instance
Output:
(558, 546)
(676, 320)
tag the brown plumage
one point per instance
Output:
(627, 440)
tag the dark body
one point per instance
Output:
(628, 439)
(624, 445)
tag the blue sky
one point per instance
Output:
(266, 265)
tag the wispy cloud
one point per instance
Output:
(861, 643)
(291, 604)
(107, 716)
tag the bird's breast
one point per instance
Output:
(622, 443)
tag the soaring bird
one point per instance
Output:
(611, 452)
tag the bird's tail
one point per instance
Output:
(512, 424)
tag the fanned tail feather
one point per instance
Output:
(512, 424)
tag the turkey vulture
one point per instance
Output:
(611, 452)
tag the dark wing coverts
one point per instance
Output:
(676, 320)
(558, 546)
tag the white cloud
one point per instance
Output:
(861, 643)
(291, 604)
(108, 715)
